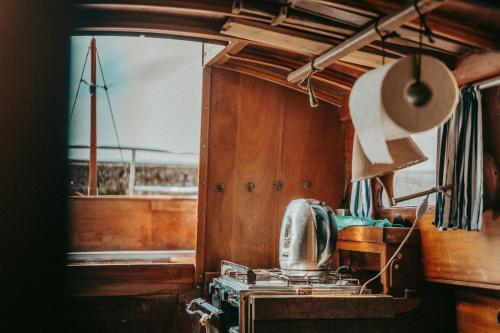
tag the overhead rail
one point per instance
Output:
(364, 37)
(489, 83)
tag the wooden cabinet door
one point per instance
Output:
(257, 132)
(245, 128)
(313, 152)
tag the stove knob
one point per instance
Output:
(225, 295)
(211, 287)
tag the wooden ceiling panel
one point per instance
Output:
(324, 91)
(294, 41)
(472, 22)
(341, 15)
(117, 21)
(284, 38)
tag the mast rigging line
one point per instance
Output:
(79, 84)
(105, 87)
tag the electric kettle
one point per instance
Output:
(307, 239)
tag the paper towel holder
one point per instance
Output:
(418, 94)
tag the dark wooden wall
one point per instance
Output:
(128, 298)
(34, 43)
(260, 132)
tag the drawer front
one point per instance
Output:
(478, 311)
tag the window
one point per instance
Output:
(148, 125)
(419, 177)
(155, 97)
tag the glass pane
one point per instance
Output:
(155, 95)
(419, 177)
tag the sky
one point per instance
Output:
(426, 141)
(155, 94)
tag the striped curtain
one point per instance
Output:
(460, 163)
(361, 199)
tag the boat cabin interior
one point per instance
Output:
(347, 177)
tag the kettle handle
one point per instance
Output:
(327, 252)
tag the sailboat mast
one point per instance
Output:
(93, 122)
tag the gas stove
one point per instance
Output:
(235, 293)
(235, 278)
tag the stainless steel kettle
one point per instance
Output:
(308, 238)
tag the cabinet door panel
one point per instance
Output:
(313, 150)
(259, 133)
(246, 119)
(224, 106)
(258, 149)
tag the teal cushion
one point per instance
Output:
(349, 221)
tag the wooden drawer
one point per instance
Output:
(478, 311)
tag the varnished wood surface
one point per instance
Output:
(123, 223)
(317, 307)
(324, 91)
(325, 326)
(128, 298)
(477, 311)
(312, 152)
(459, 29)
(154, 313)
(260, 133)
(477, 66)
(245, 146)
(203, 174)
(377, 235)
(370, 248)
(491, 137)
(460, 255)
(123, 279)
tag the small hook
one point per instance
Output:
(278, 185)
(307, 185)
(250, 187)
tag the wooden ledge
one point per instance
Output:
(125, 279)
(377, 234)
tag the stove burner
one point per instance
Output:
(274, 278)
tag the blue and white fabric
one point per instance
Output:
(460, 163)
(361, 199)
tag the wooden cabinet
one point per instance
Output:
(318, 314)
(256, 133)
(368, 249)
(478, 311)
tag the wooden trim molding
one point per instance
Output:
(477, 66)
(203, 174)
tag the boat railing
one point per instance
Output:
(132, 187)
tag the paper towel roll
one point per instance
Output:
(380, 109)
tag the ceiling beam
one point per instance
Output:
(472, 23)
(477, 66)
(224, 55)
(295, 41)
(323, 91)
(365, 37)
(93, 20)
